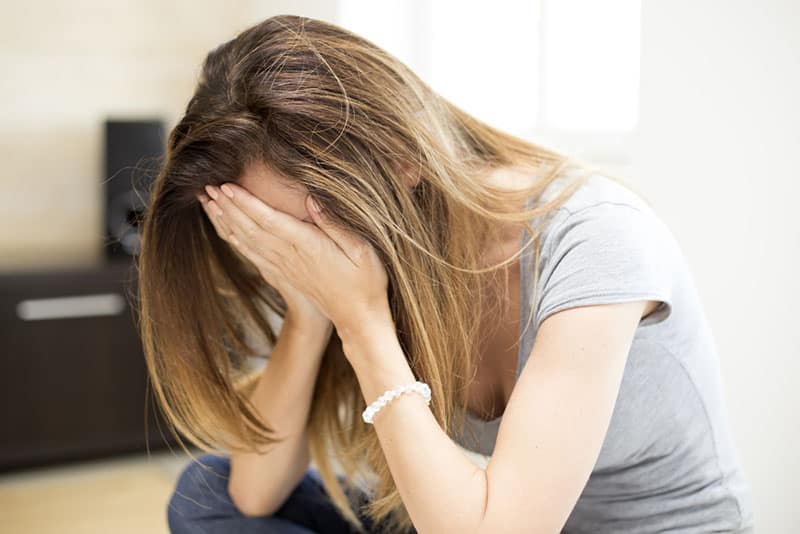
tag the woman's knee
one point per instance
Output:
(201, 491)
(201, 499)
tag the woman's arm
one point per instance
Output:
(549, 439)
(260, 483)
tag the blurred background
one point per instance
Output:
(695, 101)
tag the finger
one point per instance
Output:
(275, 222)
(257, 241)
(267, 269)
(219, 226)
(262, 265)
(243, 226)
(238, 222)
(346, 241)
(225, 230)
(204, 204)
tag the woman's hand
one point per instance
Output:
(339, 272)
(300, 310)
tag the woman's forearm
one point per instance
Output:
(260, 483)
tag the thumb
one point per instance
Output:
(339, 236)
(320, 219)
(313, 209)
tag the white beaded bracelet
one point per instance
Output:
(420, 387)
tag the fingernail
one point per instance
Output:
(227, 190)
(211, 192)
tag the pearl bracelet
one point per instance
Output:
(420, 387)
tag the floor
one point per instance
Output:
(127, 494)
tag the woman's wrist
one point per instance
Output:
(364, 325)
(372, 340)
(309, 330)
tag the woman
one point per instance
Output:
(545, 307)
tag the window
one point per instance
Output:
(564, 70)
(590, 64)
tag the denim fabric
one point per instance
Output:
(201, 504)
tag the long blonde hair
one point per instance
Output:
(341, 117)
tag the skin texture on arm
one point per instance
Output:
(557, 417)
(260, 483)
(549, 439)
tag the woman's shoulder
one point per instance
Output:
(609, 213)
(605, 244)
(600, 205)
(597, 189)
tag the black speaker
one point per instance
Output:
(134, 153)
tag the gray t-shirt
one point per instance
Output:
(668, 462)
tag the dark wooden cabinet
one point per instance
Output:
(73, 381)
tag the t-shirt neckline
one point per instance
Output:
(522, 320)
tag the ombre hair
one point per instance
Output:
(341, 118)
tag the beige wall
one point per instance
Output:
(716, 149)
(68, 65)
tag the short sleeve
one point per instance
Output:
(606, 253)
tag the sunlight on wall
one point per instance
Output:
(591, 64)
(563, 65)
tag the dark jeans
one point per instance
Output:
(201, 504)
